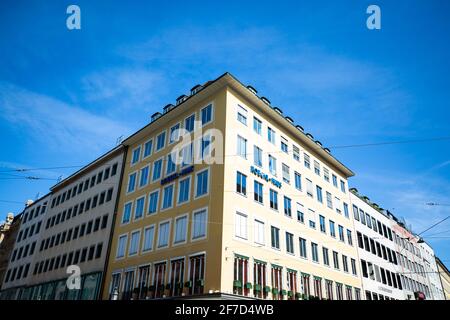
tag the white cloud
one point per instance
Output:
(53, 123)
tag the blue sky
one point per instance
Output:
(65, 96)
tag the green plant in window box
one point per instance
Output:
(248, 285)
(298, 295)
(201, 282)
(283, 292)
(257, 287)
(266, 289)
(188, 284)
(290, 293)
(274, 291)
(304, 297)
(237, 284)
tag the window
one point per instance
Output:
(184, 190)
(284, 145)
(345, 263)
(258, 192)
(126, 212)
(174, 133)
(242, 115)
(201, 183)
(240, 225)
(189, 123)
(326, 174)
(298, 181)
(314, 253)
(157, 165)
(349, 237)
(167, 197)
(134, 243)
(329, 200)
(163, 234)
(257, 156)
(275, 237)
(319, 194)
(287, 207)
(309, 188)
(353, 264)
(286, 174)
(326, 259)
(332, 229)
(187, 155)
(153, 202)
(180, 229)
(273, 199)
(270, 135)
(355, 212)
(257, 125)
(307, 160)
(148, 146)
(300, 213)
(317, 167)
(139, 209)
(171, 167)
(343, 186)
(242, 147)
(334, 180)
(322, 224)
(336, 260)
(136, 155)
(302, 243)
(131, 182)
(289, 242)
(121, 245)
(272, 165)
(259, 232)
(199, 224)
(206, 114)
(160, 141)
(296, 153)
(346, 214)
(341, 233)
(241, 183)
(149, 234)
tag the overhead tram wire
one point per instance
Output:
(266, 152)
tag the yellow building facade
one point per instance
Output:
(268, 219)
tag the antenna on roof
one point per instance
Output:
(38, 195)
(119, 140)
(59, 179)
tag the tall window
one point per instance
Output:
(143, 281)
(298, 181)
(199, 224)
(139, 209)
(206, 114)
(160, 141)
(336, 260)
(131, 182)
(319, 194)
(153, 202)
(334, 180)
(317, 167)
(144, 176)
(275, 237)
(189, 123)
(286, 174)
(180, 230)
(332, 229)
(322, 223)
(307, 160)
(329, 289)
(240, 225)
(157, 165)
(326, 258)
(287, 207)
(259, 279)
(242, 115)
(240, 275)
(339, 292)
(329, 200)
(349, 237)
(284, 145)
(302, 243)
(345, 263)
(314, 252)
(273, 199)
(257, 156)
(202, 183)
(277, 282)
(159, 275)
(128, 285)
(289, 242)
(167, 197)
(272, 165)
(174, 133)
(134, 243)
(300, 213)
(121, 246)
(136, 155)
(258, 192)
(318, 287)
(242, 147)
(241, 183)
(184, 190)
(176, 277)
(341, 233)
(259, 232)
(353, 264)
(149, 234)
(306, 284)
(170, 166)
(163, 234)
(196, 274)
(309, 188)
(296, 153)
(257, 124)
(292, 283)
(126, 213)
(270, 135)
